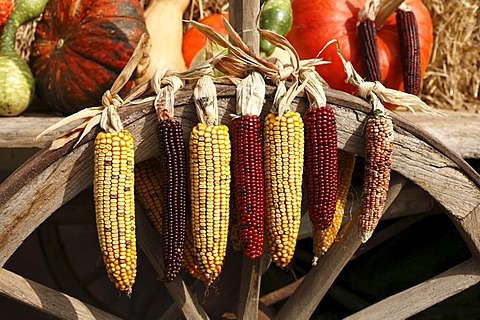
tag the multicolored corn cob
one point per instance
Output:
(173, 161)
(113, 187)
(149, 191)
(378, 165)
(323, 239)
(410, 50)
(321, 165)
(367, 38)
(248, 179)
(283, 161)
(210, 154)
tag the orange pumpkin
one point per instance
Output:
(194, 41)
(315, 22)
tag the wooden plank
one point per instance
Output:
(249, 289)
(422, 296)
(458, 130)
(310, 292)
(243, 16)
(178, 289)
(47, 300)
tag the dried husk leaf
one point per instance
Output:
(250, 95)
(205, 97)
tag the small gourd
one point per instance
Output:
(17, 84)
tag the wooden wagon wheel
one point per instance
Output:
(52, 177)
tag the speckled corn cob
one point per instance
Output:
(114, 206)
(378, 165)
(321, 165)
(410, 50)
(210, 195)
(148, 191)
(283, 149)
(323, 239)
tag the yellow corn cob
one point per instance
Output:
(210, 194)
(283, 149)
(115, 207)
(190, 264)
(148, 191)
(323, 239)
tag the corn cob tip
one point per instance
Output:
(364, 236)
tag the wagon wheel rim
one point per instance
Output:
(64, 172)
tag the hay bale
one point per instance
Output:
(452, 79)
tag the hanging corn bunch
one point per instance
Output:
(209, 153)
(174, 168)
(409, 48)
(283, 145)
(323, 239)
(367, 37)
(149, 191)
(247, 161)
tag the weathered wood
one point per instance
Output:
(424, 295)
(243, 16)
(178, 289)
(53, 177)
(47, 300)
(249, 289)
(310, 292)
(458, 130)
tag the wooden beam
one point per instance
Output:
(243, 18)
(424, 295)
(47, 300)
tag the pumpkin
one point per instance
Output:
(315, 22)
(80, 48)
(194, 40)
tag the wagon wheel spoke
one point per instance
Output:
(47, 300)
(424, 295)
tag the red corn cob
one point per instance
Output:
(249, 182)
(321, 165)
(173, 155)
(410, 50)
(367, 37)
(378, 164)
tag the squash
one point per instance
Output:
(80, 48)
(276, 16)
(17, 84)
(194, 40)
(315, 22)
(165, 27)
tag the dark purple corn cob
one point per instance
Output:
(410, 50)
(367, 37)
(173, 158)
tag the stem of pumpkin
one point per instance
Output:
(386, 8)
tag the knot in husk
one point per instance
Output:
(205, 97)
(165, 83)
(250, 95)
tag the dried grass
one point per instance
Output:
(452, 79)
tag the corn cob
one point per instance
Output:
(190, 263)
(210, 184)
(367, 37)
(321, 165)
(283, 149)
(249, 185)
(233, 225)
(148, 191)
(323, 239)
(410, 50)
(378, 164)
(114, 206)
(173, 158)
